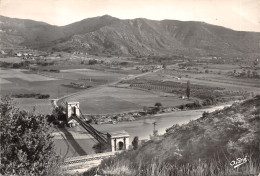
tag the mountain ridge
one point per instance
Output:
(138, 37)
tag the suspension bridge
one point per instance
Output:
(116, 141)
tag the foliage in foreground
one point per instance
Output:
(157, 167)
(203, 147)
(26, 143)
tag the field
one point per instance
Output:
(18, 81)
(11, 59)
(74, 77)
(51, 87)
(115, 100)
(82, 67)
(213, 79)
(21, 74)
(29, 104)
(85, 74)
(112, 100)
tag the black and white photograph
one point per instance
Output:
(130, 87)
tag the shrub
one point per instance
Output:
(92, 62)
(158, 104)
(55, 71)
(43, 96)
(207, 102)
(32, 95)
(101, 148)
(188, 89)
(135, 142)
(17, 65)
(205, 114)
(123, 63)
(50, 118)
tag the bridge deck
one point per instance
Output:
(83, 163)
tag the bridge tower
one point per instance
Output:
(72, 109)
(118, 140)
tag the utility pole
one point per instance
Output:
(58, 92)
(155, 132)
(154, 124)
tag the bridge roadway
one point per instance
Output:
(83, 163)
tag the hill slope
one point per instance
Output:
(202, 147)
(110, 35)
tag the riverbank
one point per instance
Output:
(143, 127)
(149, 112)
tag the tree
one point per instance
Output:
(27, 147)
(92, 62)
(158, 104)
(164, 66)
(58, 113)
(248, 73)
(188, 89)
(135, 142)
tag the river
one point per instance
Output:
(143, 128)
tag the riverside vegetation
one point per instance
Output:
(205, 146)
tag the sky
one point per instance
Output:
(242, 15)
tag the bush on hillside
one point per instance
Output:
(135, 142)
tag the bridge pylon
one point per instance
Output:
(117, 140)
(72, 109)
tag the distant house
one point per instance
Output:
(19, 54)
(139, 67)
(3, 52)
